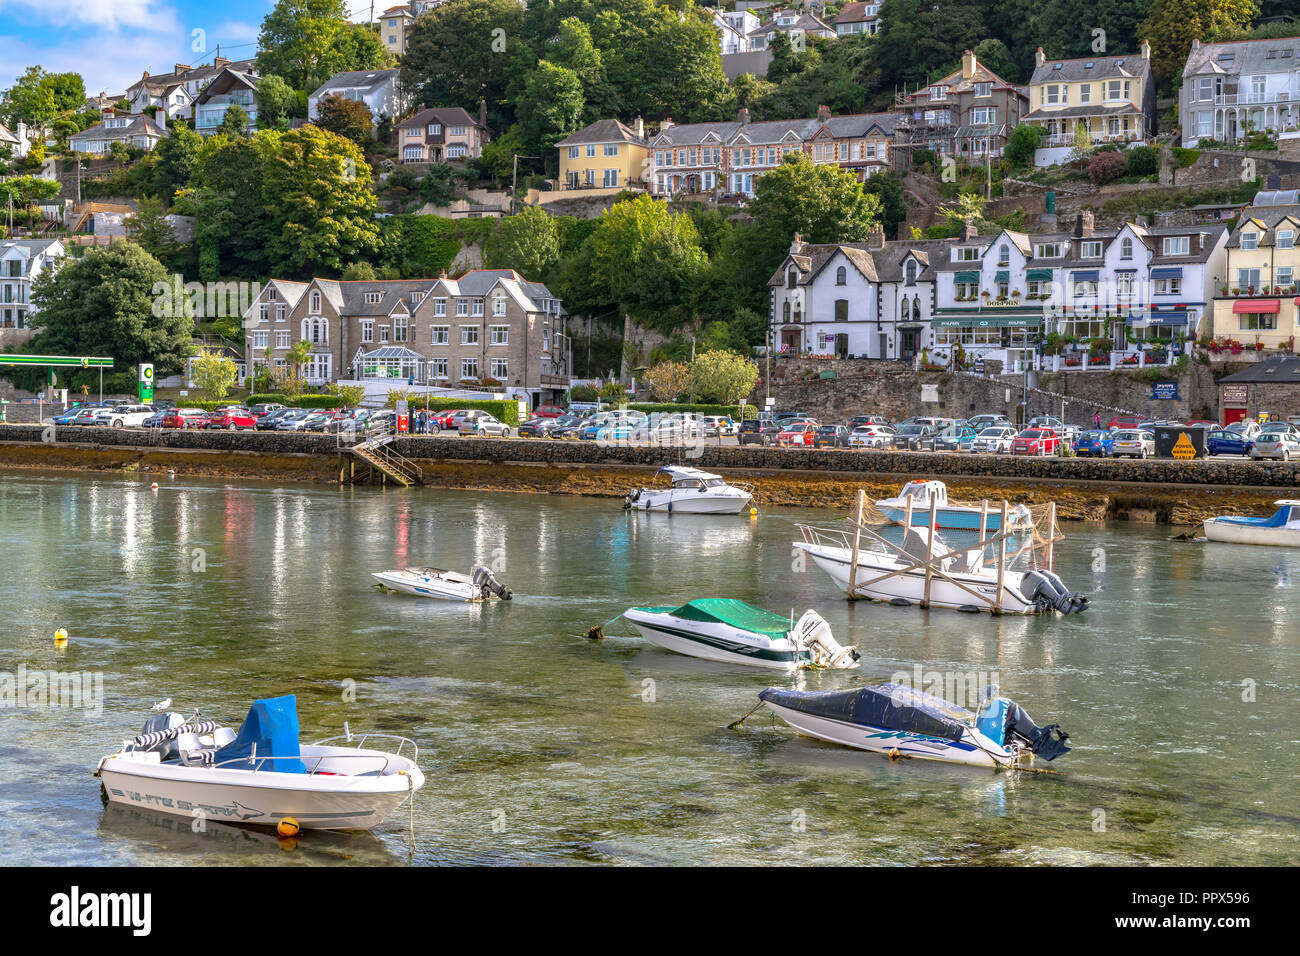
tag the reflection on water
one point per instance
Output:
(540, 745)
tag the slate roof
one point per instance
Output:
(602, 131)
(1128, 66)
(854, 13)
(1274, 370)
(356, 80)
(140, 124)
(446, 115)
(1244, 57)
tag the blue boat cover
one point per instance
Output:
(271, 726)
(887, 706)
(1277, 520)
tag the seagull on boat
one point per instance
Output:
(162, 705)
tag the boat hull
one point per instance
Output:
(731, 503)
(428, 587)
(910, 586)
(315, 801)
(1231, 532)
(714, 642)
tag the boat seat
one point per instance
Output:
(222, 736)
(193, 753)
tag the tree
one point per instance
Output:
(277, 102)
(528, 242)
(305, 42)
(439, 185)
(668, 381)
(823, 203)
(722, 377)
(108, 303)
(231, 219)
(550, 108)
(966, 209)
(234, 121)
(462, 51)
(992, 54)
(359, 271)
(350, 119)
(888, 189)
(177, 158)
(1023, 143)
(150, 230)
(1172, 25)
(31, 100)
(25, 191)
(69, 91)
(1106, 167)
(318, 203)
(498, 159)
(213, 372)
(417, 245)
(1082, 147)
(291, 384)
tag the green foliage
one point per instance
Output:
(550, 108)
(1022, 144)
(350, 119)
(177, 160)
(31, 99)
(277, 103)
(1142, 160)
(504, 410)
(439, 185)
(213, 372)
(888, 189)
(1106, 167)
(528, 242)
(234, 121)
(1172, 25)
(1185, 157)
(307, 41)
(722, 377)
(650, 408)
(417, 246)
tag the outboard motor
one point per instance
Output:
(1046, 590)
(630, 498)
(161, 724)
(488, 585)
(1047, 742)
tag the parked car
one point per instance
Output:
(1123, 421)
(1095, 443)
(292, 420)
(871, 436)
(537, 426)
(1278, 440)
(444, 418)
(86, 415)
(1245, 427)
(752, 431)
(1065, 431)
(271, 420)
(1134, 442)
(797, 433)
(485, 425)
(831, 436)
(155, 420)
(1036, 441)
(913, 437)
(1224, 442)
(69, 414)
(548, 411)
(950, 438)
(993, 439)
(184, 418)
(859, 420)
(981, 422)
(231, 418)
(713, 426)
(265, 408)
(123, 416)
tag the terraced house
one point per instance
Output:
(1114, 97)
(1255, 300)
(966, 115)
(1230, 89)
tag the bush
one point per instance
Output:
(505, 410)
(302, 401)
(1106, 168)
(923, 157)
(1143, 160)
(1185, 157)
(1022, 144)
(652, 408)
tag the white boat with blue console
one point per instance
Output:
(949, 516)
(1281, 529)
(900, 721)
(260, 774)
(724, 629)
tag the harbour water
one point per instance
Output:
(1179, 686)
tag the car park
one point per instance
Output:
(1095, 443)
(265, 408)
(1134, 442)
(485, 426)
(993, 439)
(1036, 441)
(754, 431)
(125, 416)
(951, 437)
(292, 420)
(1224, 442)
(871, 436)
(270, 420)
(716, 426)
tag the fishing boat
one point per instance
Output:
(1281, 529)
(447, 585)
(260, 774)
(691, 491)
(921, 494)
(723, 629)
(901, 721)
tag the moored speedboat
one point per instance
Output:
(900, 721)
(261, 774)
(691, 491)
(1281, 529)
(964, 517)
(447, 585)
(723, 629)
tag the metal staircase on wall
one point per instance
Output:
(374, 452)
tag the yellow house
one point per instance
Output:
(604, 155)
(1256, 300)
(1113, 96)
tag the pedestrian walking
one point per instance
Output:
(1096, 419)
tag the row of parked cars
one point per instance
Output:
(625, 425)
(982, 433)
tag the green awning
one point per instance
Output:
(1004, 275)
(987, 322)
(966, 277)
(1038, 275)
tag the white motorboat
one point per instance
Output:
(447, 585)
(900, 721)
(723, 629)
(1281, 529)
(965, 517)
(261, 774)
(692, 491)
(926, 571)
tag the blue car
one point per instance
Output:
(67, 417)
(1223, 442)
(1098, 443)
(618, 431)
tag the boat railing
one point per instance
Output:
(833, 538)
(362, 738)
(387, 756)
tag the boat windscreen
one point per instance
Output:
(737, 614)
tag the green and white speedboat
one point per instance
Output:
(724, 629)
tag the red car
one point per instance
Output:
(548, 411)
(443, 419)
(231, 418)
(184, 418)
(1036, 441)
(1125, 422)
(799, 433)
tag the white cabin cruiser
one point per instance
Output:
(965, 517)
(927, 571)
(447, 585)
(900, 721)
(723, 629)
(261, 774)
(1281, 529)
(692, 492)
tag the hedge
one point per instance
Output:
(503, 409)
(302, 401)
(724, 410)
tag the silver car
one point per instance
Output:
(1132, 441)
(1280, 442)
(484, 425)
(995, 438)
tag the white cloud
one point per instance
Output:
(152, 15)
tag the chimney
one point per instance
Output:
(666, 124)
(969, 232)
(640, 128)
(1146, 48)
(796, 247)
(1039, 57)
(967, 65)
(743, 115)
(109, 112)
(180, 69)
(160, 117)
(876, 237)
(1083, 225)
(1196, 45)
(823, 113)
(220, 61)
(482, 113)
(144, 75)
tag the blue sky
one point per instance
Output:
(110, 42)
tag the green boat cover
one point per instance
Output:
(730, 611)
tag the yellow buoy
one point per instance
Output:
(61, 636)
(753, 512)
(288, 827)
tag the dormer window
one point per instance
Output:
(938, 93)
(1286, 239)
(372, 298)
(791, 277)
(1250, 240)
(1126, 248)
(1090, 249)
